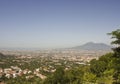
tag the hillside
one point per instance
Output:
(93, 46)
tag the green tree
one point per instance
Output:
(89, 77)
(107, 58)
(116, 56)
(57, 77)
(74, 76)
(116, 36)
(97, 67)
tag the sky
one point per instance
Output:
(57, 23)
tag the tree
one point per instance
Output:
(57, 77)
(116, 36)
(89, 77)
(116, 56)
(74, 76)
(97, 67)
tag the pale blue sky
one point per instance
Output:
(57, 23)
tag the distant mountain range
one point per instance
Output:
(93, 46)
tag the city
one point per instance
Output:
(41, 63)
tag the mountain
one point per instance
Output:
(93, 46)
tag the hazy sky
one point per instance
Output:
(57, 23)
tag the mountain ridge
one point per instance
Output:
(93, 46)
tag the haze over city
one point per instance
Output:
(56, 23)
